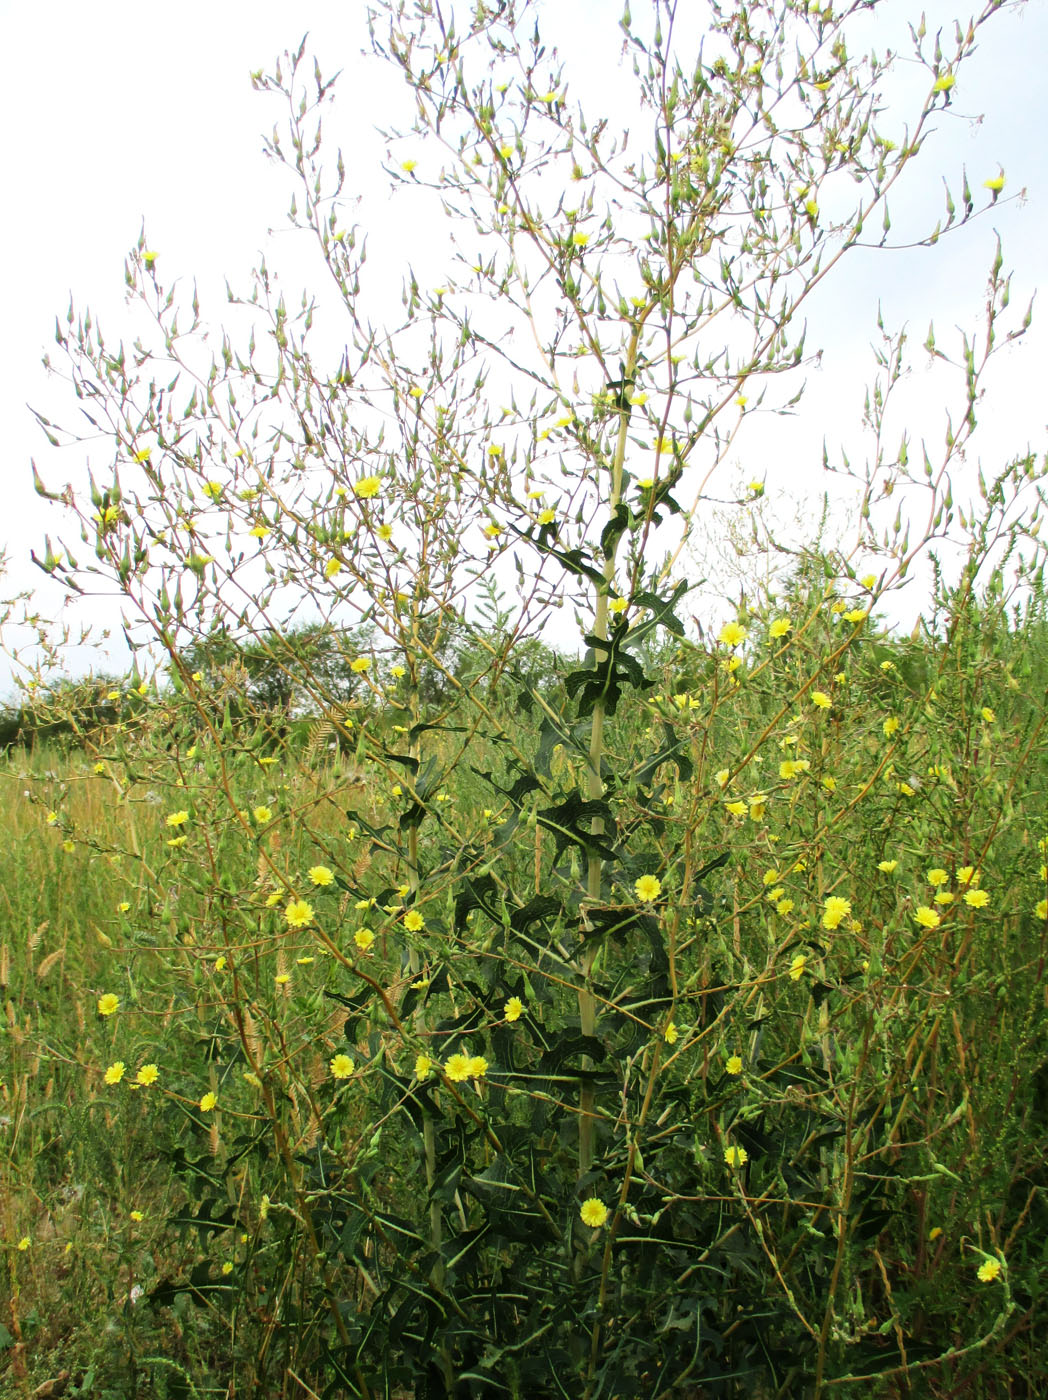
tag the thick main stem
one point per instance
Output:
(594, 781)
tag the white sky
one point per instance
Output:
(122, 112)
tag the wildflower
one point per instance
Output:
(736, 809)
(360, 665)
(593, 1213)
(758, 802)
(320, 875)
(798, 967)
(423, 1065)
(263, 815)
(784, 907)
(648, 888)
(177, 818)
(384, 531)
(367, 487)
(927, 918)
(855, 615)
(115, 1072)
(944, 84)
(671, 1035)
(408, 166)
(736, 1156)
(513, 1009)
(281, 979)
(274, 898)
(887, 867)
(1041, 909)
(413, 921)
(99, 768)
(721, 776)
(976, 899)
(148, 1074)
(646, 483)
(835, 910)
(733, 1065)
(304, 962)
(332, 568)
(478, 1067)
(136, 1216)
(937, 877)
(341, 1067)
(934, 1233)
(890, 726)
(363, 938)
(791, 767)
(227, 1267)
(820, 698)
(779, 627)
(123, 906)
(618, 605)
(967, 875)
(906, 790)
(995, 184)
(580, 239)
(220, 963)
(208, 1102)
(829, 782)
(107, 1004)
(299, 914)
(456, 1067)
(732, 634)
(989, 1271)
(944, 896)
(24, 1243)
(259, 532)
(988, 715)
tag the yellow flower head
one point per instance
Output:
(148, 1074)
(798, 967)
(456, 1067)
(835, 910)
(926, 917)
(513, 1009)
(363, 938)
(341, 1067)
(115, 1072)
(478, 1067)
(320, 875)
(360, 665)
(208, 1102)
(670, 1035)
(367, 487)
(821, 699)
(299, 914)
(413, 921)
(733, 1065)
(779, 627)
(937, 877)
(423, 1065)
(887, 867)
(976, 899)
(107, 1004)
(593, 1213)
(732, 634)
(989, 1271)
(648, 888)
(736, 1156)
(177, 818)
(332, 568)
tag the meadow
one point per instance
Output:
(237, 1038)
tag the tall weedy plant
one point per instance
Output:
(554, 1033)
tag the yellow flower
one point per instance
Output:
(721, 776)
(855, 615)
(24, 1243)
(107, 1004)
(784, 908)
(758, 802)
(593, 1213)
(274, 898)
(937, 877)
(332, 568)
(732, 634)
(99, 768)
(820, 698)
(791, 767)
(988, 715)
(413, 921)
(408, 166)
(259, 532)
(737, 809)
(944, 84)
(798, 967)
(829, 782)
(967, 875)
(976, 899)
(1041, 909)
(123, 906)
(926, 917)
(227, 1267)
(263, 815)
(299, 914)
(887, 867)
(136, 1216)
(547, 517)
(423, 1065)
(989, 1271)
(320, 875)
(779, 627)
(363, 938)
(177, 818)
(580, 239)
(618, 605)
(115, 1072)
(220, 963)
(513, 1009)
(208, 1102)
(736, 1156)
(478, 1067)
(360, 665)
(835, 910)
(384, 531)
(944, 896)
(341, 1067)
(148, 1074)
(733, 1065)
(367, 487)
(891, 724)
(670, 1035)
(281, 979)
(456, 1067)
(648, 888)
(995, 184)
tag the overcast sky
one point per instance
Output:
(120, 113)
